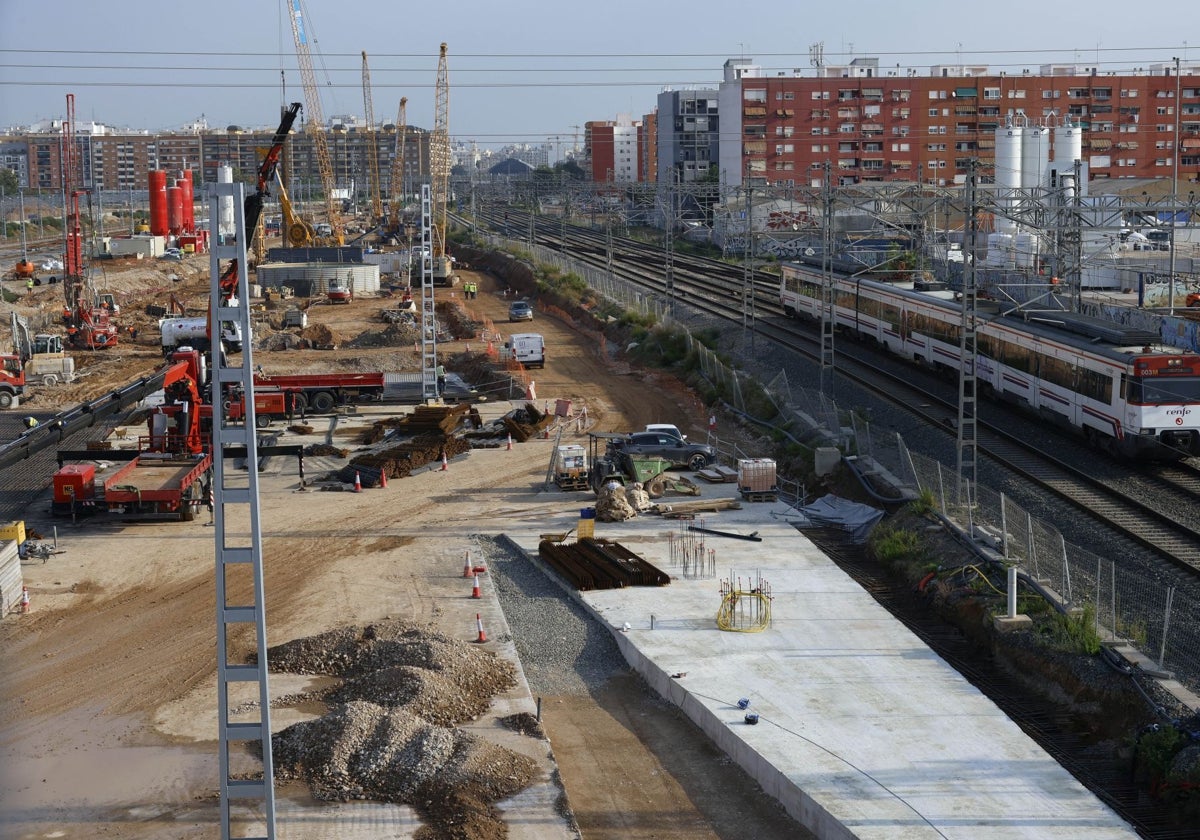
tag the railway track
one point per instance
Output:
(711, 285)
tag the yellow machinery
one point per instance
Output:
(372, 152)
(315, 125)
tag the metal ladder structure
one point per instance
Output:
(429, 384)
(239, 564)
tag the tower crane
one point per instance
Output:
(439, 173)
(372, 152)
(315, 126)
(396, 183)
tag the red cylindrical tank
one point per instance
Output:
(175, 210)
(158, 202)
(189, 200)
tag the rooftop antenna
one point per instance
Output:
(816, 54)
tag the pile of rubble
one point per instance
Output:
(389, 738)
(612, 504)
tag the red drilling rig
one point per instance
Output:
(88, 325)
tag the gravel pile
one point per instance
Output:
(364, 751)
(390, 737)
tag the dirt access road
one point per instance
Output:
(108, 708)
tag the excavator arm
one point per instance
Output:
(254, 202)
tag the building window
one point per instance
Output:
(991, 93)
(899, 147)
(1129, 93)
(1165, 110)
(754, 95)
(933, 112)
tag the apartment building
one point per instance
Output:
(612, 150)
(872, 125)
(119, 161)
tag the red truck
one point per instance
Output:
(165, 479)
(12, 379)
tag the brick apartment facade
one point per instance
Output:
(781, 130)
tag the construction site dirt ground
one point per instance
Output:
(108, 714)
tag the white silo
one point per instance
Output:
(1035, 157)
(225, 219)
(1068, 148)
(1008, 171)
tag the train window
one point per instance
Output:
(1019, 358)
(1058, 372)
(1164, 389)
(985, 345)
(888, 312)
(1096, 386)
(845, 298)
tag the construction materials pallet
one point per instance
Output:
(760, 495)
(718, 474)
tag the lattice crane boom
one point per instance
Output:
(315, 126)
(397, 179)
(439, 164)
(372, 152)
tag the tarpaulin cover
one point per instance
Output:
(831, 511)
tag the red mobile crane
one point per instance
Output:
(88, 325)
(164, 480)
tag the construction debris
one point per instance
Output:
(681, 510)
(600, 564)
(612, 504)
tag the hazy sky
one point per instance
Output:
(520, 71)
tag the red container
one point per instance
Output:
(75, 482)
(189, 200)
(175, 210)
(158, 202)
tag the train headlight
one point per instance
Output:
(1145, 431)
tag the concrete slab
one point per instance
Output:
(863, 731)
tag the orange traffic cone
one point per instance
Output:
(546, 433)
(383, 479)
(479, 625)
(25, 600)
(444, 462)
(357, 483)
(467, 565)
(475, 589)
(508, 446)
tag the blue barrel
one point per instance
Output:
(587, 513)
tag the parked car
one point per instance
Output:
(520, 310)
(694, 456)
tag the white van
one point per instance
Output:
(527, 348)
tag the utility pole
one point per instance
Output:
(669, 267)
(1174, 186)
(748, 267)
(967, 443)
(827, 291)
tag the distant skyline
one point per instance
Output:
(521, 71)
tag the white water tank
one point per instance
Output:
(1027, 247)
(1068, 148)
(1000, 250)
(1035, 157)
(1008, 170)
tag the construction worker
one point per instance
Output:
(30, 422)
(29, 284)
(441, 379)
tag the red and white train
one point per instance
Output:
(1120, 387)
